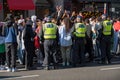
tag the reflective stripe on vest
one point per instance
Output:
(107, 26)
(80, 30)
(49, 31)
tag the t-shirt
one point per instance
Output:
(117, 26)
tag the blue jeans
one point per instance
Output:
(115, 43)
(20, 53)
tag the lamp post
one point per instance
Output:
(105, 6)
(93, 3)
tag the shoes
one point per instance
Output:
(103, 62)
(73, 65)
(63, 63)
(82, 65)
(14, 70)
(55, 67)
(30, 68)
(68, 64)
(46, 68)
(2, 67)
(9, 69)
(108, 62)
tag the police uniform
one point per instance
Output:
(107, 31)
(49, 36)
(78, 43)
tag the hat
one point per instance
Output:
(48, 18)
(9, 23)
(79, 17)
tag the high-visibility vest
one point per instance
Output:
(107, 27)
(80, 30)
(50, 30)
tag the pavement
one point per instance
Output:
(92, 71)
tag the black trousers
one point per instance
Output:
(11, 52)
(89, 48)
(50, 48)
(2, 58)
(105, 48)
(78, 51)
(29, 54)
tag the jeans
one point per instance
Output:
(66, 53)
(20, 53)
(2, 58)
(115, 43)
(11, 51)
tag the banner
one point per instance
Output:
(0, 6)
(2, 40)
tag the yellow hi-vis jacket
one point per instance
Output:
(49, 30)
(107, 27)
(80, 30)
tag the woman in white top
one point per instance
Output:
(65, 40)
(21, 47)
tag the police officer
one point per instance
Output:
(106, 35)
(79, 34)
(49, 36)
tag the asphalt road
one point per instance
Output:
(92, 71)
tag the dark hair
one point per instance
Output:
(29, 22)
(16, 18)
(108, 17)
(9, 23)
(119, 19)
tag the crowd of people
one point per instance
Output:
(62, 37)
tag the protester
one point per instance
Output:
(10, 34)
(37, 43)
(89, 44)
(65, 34)
(21, 25)
(28, 37)
(2, 48)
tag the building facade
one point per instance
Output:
(43, 7)
(112, 7)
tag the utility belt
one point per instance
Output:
(50, 39)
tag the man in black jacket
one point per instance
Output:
(28, 37)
